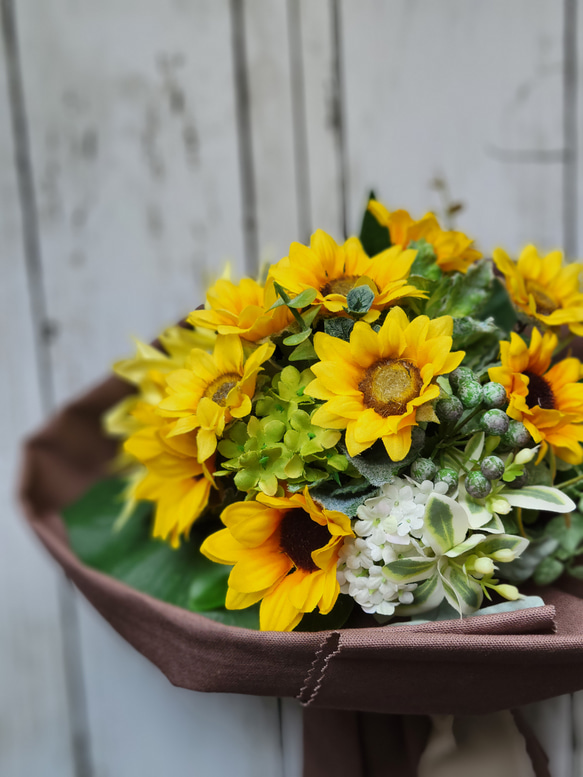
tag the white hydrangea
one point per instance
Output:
(387, 526)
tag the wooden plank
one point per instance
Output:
(34, 717)
(321, 93)
(470, 93)
(272, 127)
(132, 116)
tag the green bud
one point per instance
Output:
(470, 393)
(495, 422)
(484, 566)
(449, 409)
(492, 467)
(423, 469)
(504, 555)
(495, 395)
(448, 476)
(510, 592)
(462, 373)
(477, 485)
(517, 436)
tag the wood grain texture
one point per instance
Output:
(468, 93)
(34, 716)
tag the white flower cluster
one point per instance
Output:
(386, 525)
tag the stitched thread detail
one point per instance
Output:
(315, 677)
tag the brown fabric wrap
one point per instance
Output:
(471, 666)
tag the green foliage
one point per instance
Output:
(375, 465)
(183, 577)
(425, 264)
(279, 443)
(461, 295)
(359, 299)
(339, 327)
(373, 236)
(479, 339)
(345, 498)
(499, 307)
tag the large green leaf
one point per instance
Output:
(183, 577)
(409, 570)
(373, 236)
(540, 498)
(461, 591)
(446, 523)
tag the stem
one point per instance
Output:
(520, 524)
(464, 421)
(553, 462)
(564, 344)
(571, 482)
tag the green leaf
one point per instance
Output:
(523, 567)
(409, 570)
(375, 465)
(359, 299)
(373, 236)
(460, 295)
(339, 327)
(347, 498)
(567, 530)
(303, 352)
(183, 577)
(336, 618)
(475, 446)
(576, 572)
(499, 307)
(549, 570)
(446, 523)
(427, 595)
(425, 265)
(462, 591)
(465, 546)
(298, 338)
(503, 542)
(303, 299)
(539, 498)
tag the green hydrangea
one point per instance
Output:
(280, 443)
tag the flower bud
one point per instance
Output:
(470, 393)
(517, 436)
(477, 485)
(492, 467)
(423, 469)
(462, 373)
(504, 555)
(449, 409)
(495, 395)
(509, 592)
(520, 481)
(495, 422)
(448, 476)
(484, 566)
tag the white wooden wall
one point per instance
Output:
(142, 144)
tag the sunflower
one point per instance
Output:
(147, 371)
(174, 479)
(212, 390)
(380, 385)
(549, 402)
(453, 250)
(242, 309)
(285, 551)
(333, 270)
(542, 288)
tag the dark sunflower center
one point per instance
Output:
(540, 394)
(388, 385)
(219, 389)
(300, 535)
(545, 304)
(340, 285)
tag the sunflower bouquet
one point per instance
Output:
(382, 429)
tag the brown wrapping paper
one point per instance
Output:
(471, 666)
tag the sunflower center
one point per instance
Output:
(540, 394)
(340, 285)
(388, 385)
(545, 304)
(300, 535)
(219, 389)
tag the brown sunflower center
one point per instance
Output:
(340, 285)
(219, 389)
(540, 394)
(388, 385)
(300, 536)
(545, 303)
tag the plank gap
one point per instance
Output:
(338, 103)
(77, 708)
(244, 137)
(300, 127)
(570, 128)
